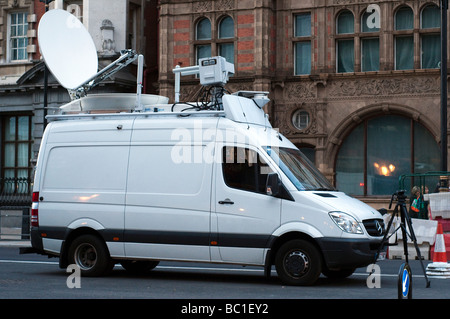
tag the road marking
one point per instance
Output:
(189, 268)
(29, 262)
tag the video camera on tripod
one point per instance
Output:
(405, 225)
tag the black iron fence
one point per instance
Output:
(15, 203)
(15, 191)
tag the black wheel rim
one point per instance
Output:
(85, 256)
(296, 263)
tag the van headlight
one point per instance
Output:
(346, 222)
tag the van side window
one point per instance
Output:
(244, 169)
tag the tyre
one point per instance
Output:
(298, 262)
(90, 253)
(139, 267)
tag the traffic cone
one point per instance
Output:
(439, 268)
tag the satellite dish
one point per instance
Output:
(67, 48)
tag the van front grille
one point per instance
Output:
(374, 227)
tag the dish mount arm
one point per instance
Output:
(126, 57)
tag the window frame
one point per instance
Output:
(427, 32)
(341, 37)
(15, 142)
(302, 39)
(10, 37)
(215, 42)
(223, 41)
(365, 148)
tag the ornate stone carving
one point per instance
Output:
(299, 90)
(202, 6)
(223, 5)
(383, 87)
(284, 120)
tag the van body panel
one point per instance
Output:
(168, 191)
(52, 245)
(189, 186)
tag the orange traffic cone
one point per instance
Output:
(439, 268)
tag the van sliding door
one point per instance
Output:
(168, 201)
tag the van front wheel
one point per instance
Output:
(90, 254)
(298, 262)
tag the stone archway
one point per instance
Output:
(346, 126)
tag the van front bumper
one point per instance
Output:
(346, 253)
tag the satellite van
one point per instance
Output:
(135, 180)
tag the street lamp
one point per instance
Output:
(46, 2)
(444, 8)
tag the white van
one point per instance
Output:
(176, 183)
(130, 179)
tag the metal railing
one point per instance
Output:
(15, 203)
(15, 192)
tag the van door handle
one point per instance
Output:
(226, 201)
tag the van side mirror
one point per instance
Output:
(273, 184)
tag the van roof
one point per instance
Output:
(242, 107)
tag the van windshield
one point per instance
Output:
(300, 171)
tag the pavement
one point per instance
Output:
(15, 243)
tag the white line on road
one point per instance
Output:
(187, 268)
(29, 262)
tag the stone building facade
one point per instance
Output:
(354, 83)
(114, 25)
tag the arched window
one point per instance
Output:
(226, 39)
(344, 44)
(203, 39)
(370, 43)
(404, 39)
(379, 150)
(430, 41)
(345, 23)
(203, 29)
(226, 28)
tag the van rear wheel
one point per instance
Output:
(90, 254)
(298, 262)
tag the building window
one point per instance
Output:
(302, 44)
(16, 153)
(404, 39)
(226, 39)
(370, 45)
(430, 37)
(18, 40)
(379, 150)
(221, 43)
(370, 54)
(300, 119)
(345, 46)
(203, 37)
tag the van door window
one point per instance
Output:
(244, 169)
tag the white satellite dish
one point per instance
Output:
(67, 48)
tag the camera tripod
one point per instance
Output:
(405, 222)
